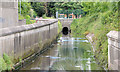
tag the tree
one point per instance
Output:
(25, 8)
(50, 8)
(39, 8)
(68, 5)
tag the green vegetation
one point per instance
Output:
(21, 17)
(101, 18)
(39, 8)
(49, 8)
(59, 27)
(28, 21)
(25, 8)
(46, 10)
(69, 8)
(26, 12)
(45, 17)
(8, 61)
(5, 63)
(2, 64)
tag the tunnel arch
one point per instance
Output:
(65, 30)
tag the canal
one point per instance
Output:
(69, 53)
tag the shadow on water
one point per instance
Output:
(68, 54)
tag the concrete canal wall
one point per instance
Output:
(114, 50)
(25, 40)
(19, 40)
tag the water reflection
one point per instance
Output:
(68, 54)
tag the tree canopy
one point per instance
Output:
(49, 8)
(25, 8)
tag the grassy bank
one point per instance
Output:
(99, 24)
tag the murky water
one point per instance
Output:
(68, 54)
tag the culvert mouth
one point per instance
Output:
(65, 30)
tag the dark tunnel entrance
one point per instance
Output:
(65, 30)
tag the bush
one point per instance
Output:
(8, 61)
(2, 64)
(20, 17)
(44, 16)
(5, 63)
(33, 21)
(27, 17)
(30, 21)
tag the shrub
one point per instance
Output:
(30, 21)
(20, 17)
(44, 16)
(33, 21)
(27, 17)
(2, 64)
(8, 61)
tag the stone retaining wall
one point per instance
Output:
(22, 41)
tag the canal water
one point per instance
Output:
(69, 53)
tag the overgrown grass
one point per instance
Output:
(99, 24)
(5, 63)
